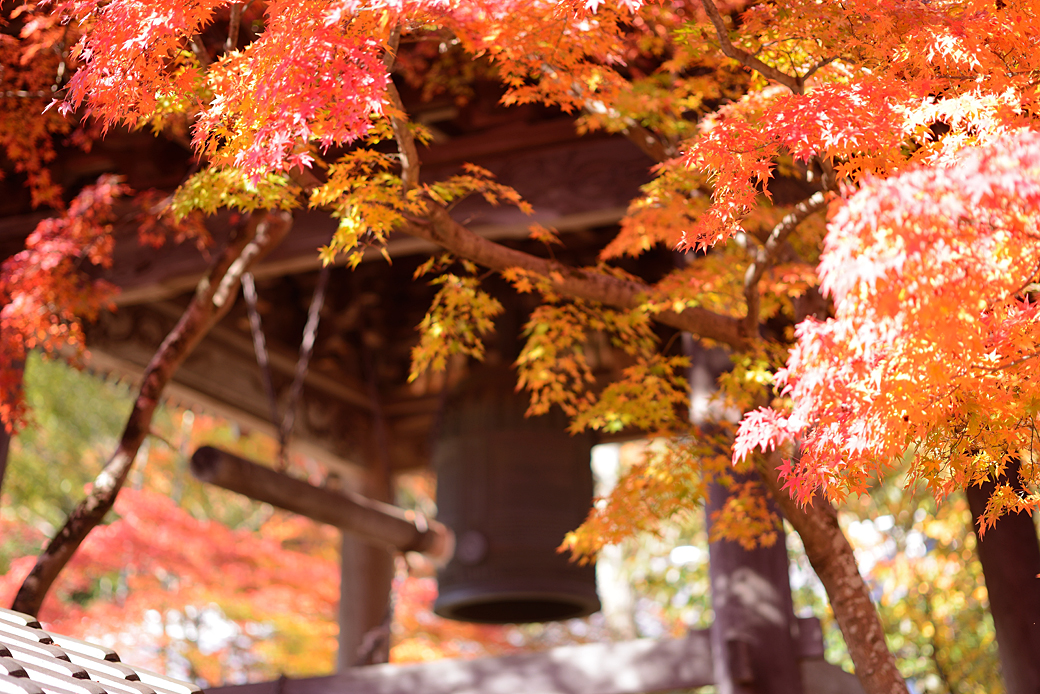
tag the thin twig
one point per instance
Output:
(823, 63)
(1029, 280)
(795, 84)
(765, 256)
(1009, 365)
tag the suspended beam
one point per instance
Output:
(371, 521)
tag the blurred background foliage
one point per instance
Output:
(206, 584)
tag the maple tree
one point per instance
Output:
(878, 155)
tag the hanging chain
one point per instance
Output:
(310, 333)
(260, 346)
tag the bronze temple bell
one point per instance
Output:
(510, 487)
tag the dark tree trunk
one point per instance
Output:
(1010, 557)
(212, 299)
(753, 636)
(5, 446)
(5, 437)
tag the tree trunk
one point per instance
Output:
(745, 585)
(5, 436)
(832, 558)
(5, 447)
(213, 298)
(1010, 557)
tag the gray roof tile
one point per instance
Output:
(10, 684)
(34, 661)
(11, 667)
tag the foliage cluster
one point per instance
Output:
(855, 185)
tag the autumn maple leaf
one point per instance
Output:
(934, 333)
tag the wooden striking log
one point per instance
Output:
(372, 521)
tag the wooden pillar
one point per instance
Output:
(1010, 557)
(366, 579)
(364, 604)
(753, 637)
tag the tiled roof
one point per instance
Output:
(34, 661)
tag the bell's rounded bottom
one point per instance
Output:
(487, 605)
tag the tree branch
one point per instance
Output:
(765, 256)
(795, 84)
(579, 283)
(441, 229)
(200, 51)
(15, 368)
(832, 558)
(234, 21)
(812, 71)
(406, 148)
(211, 301)
(653, 145)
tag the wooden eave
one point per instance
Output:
(579, 185)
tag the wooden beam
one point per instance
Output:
(222, 376)
(625, 667)
(372, 521)
(504, 140)
(628, 667)
(165, 280)
(574, 184)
